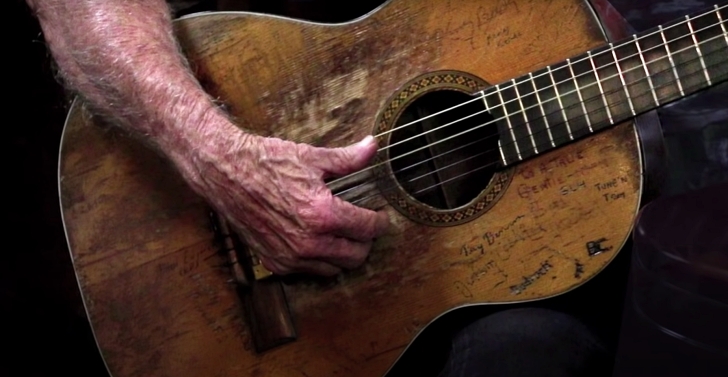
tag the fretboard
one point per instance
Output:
(553, 106)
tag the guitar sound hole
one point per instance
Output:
(444, 174)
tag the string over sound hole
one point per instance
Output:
(444, 150)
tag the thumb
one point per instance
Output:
(346, 160)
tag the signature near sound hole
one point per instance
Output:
(445, 171)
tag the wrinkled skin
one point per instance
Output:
(121, 56)
(273, 192)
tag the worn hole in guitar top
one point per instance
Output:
(451, 173)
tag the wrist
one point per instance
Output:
(202, 138)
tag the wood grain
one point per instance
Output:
(160, 298)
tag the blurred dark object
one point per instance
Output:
(677, 304)
(677, 299)
(696, 137)
(695, 128)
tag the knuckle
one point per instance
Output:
(357, 259)
(309, 249)
(341, 158)
(319, 216)
(275, 268)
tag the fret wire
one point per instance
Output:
(499, 141)
(697, 48)
(720, 21)
(525, 119)
(644, 67)
(485, 101)
(461, 175)
(624, 43)
(647, 72)
(543, 112)
(508, 121)
(578, 93)
(652, 89)
(601, 89)
(561, 105)
(503, 155)
(672, 62)
(550, 72)
(621, 79)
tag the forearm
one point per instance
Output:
(122, 57)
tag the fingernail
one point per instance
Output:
(368, 139)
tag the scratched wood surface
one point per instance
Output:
(157, 291)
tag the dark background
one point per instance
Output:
(44, 330)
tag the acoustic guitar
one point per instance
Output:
(509, 162)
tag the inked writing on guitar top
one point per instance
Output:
(530, 279)
(568, 189)
(614, 182)
(584, 170)
(491, 237)
(488, 14)
(533, 233)
(482, 271)
(502, 37)
(526, 191)
(614, 196)
(464, 31)
(514, 233)
(575, 216)
(463, 289)
(578, 269)
(467, 250)
(595, 247)
(561, 161)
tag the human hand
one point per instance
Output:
(273, 192)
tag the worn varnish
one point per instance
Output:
(159, 294)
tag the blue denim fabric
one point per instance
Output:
(528, 342)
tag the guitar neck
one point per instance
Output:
(548, 108)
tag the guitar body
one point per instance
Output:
(158, 291)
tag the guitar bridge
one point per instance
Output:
(267, 312)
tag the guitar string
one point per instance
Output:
(597, 97)
(501, 89)
(528, 108)
(520, 111)
(551, 113)
(555, 86)
(625, 43)
(531, 107)
(490, 164)
(646, 93)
